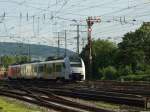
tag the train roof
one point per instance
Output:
(25, 62)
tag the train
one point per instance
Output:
(77, 68)
(58, 69)
(3, 72)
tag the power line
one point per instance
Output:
(95, 6)
(78, 35)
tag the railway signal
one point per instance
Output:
(90, 21)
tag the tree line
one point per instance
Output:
(127, 60)
(8, 60)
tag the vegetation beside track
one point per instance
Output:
(128, 60)
(12, 105)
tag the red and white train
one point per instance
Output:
(65, 69)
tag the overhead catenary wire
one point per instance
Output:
(63, 14)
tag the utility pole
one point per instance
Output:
(29, 52)
(65, 43)
(78, 35)
(58, 43)
(90, 21)
(33, 27)
(83, 42)
(38, 27)
(20, 45)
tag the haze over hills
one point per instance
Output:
(36, 51)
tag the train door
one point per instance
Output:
(40, 70)
(14, 72)
(18, 71)
(53, 74)
(49, 71)
(24, 71)
(10, 71)
(34, 70)
(28, 71)
(45, 75)
(59, 70)
(32, 74)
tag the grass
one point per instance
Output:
(108, 106)
(12, 105)
(118, 107)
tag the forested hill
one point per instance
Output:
(43, 51)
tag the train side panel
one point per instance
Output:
(55, 69)
(52, 70)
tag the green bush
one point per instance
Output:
(147, 70)
(134, 77)
(108, 73)
(144, 70)
(124, 71)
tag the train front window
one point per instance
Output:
(75, 62)
(75, 59)
(76, 65)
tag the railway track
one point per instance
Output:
(50, 100)
(103, 96)
(130, 94)
(113, 97)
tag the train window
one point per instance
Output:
(35, 68)
(53, 67)
(45, 70)
(76, 65)
(49, 68)
(41, 68)
(58, 67)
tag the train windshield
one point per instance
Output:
(75, 62)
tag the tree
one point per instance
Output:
(130, 59)
(103, 55)
(8, 60)
(135, 48)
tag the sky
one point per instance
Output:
(38, 21)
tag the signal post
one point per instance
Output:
(90, 21)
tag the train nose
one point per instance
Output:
(76, 76)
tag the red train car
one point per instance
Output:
(14, 72)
